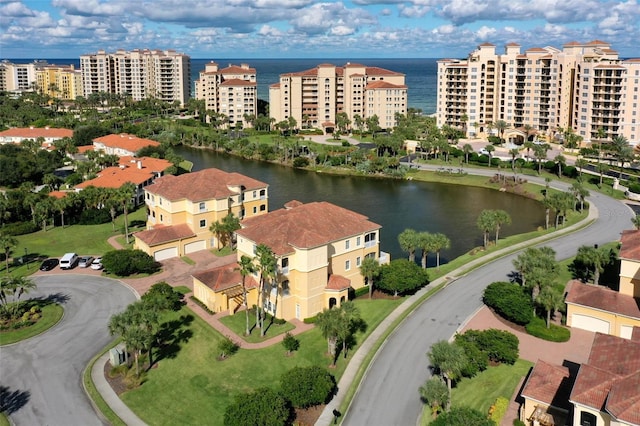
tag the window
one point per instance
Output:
(285, 265)
(203, 223)
(358, 261)
(255, 209)
(357, 241)
(370, 239)
(202, 207)
(263, 207)
(346, 244)
(587, 419)
(347, 265)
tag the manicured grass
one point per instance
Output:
(224, 251)
(188, 260)
(197, 379)
(51, 315)
(4, 420)
(182, 289)
(237, 324)
(481, 391)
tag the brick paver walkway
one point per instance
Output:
(532, 349)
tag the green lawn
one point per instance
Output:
(51, 314)
(481, 391)
(201, 387)
(237, 323)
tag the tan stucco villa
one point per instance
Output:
(180, 210)
(319, 248)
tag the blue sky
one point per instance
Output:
(310, 28)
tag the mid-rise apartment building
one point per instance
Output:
(231, 91)
(141, 74)
(59, 81)
(585, 87)
(18, 77)
(316, 96)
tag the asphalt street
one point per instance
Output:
(388, 395)
(42, 376)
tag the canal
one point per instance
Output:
(395, 204)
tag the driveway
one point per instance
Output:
(388, 394)
(43, 375)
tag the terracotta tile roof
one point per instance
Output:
(164, 234)
(338, 282)
(150, 164)
(238, 82)
(206, 184)
(597, 43)
(536, 49)
(36, 132)
(235, 69)
(550, 384)
(124, 141)
(305, 226)
(384, 85)
(83, 149)
(115, 177)
(610, 379)
(602, 298)
(224, 277)
(58, 194)
(513, 44)
(630, 245)
(380, 71)
(486, 44)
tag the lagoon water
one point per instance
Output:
(395, 204)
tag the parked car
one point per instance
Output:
(69, 261)
(85, 261)
(49, 264)
(96, 264)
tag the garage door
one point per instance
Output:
(195, 246)
(165, 254)
(590, 323)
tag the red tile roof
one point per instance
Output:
(305, 226)
(85, 148)
(36, 132)
(124, 141)
(224, 277)
(338, 282)
(238, 82)
(602, 298)
(235, 69)
(206, 184)
(164, 234)
(610, 379)
(550, 384)
(384, 85)
(115, 177)
(630, 245)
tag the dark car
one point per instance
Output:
(49, 264)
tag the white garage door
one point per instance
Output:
(165, 254)
(590, 323)
(195, 246)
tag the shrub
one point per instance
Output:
(202, 305)
(538, 328)
(498, 409)
(310, 320)
(300, 162)
(510, 301)
(227, 347)
(494, 140)
(401, 276)
(570, 171)
(362, 291)
(20, 228)
(500, 346)
(462, 416)
(262, 407)
(477, 360)
(94, 217)
(518, 422)
(128, 262)
(163, 297)
(290, 343)
(307, 386)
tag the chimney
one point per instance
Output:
(139, 164)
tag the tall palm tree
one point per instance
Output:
(514, 152)
(369, 269)
(486, 223)
(595, 257)
(16, 287)
(267, 268)
(448, 360)
(467, 149)
(125, 195)
(408, 240)
(501, 217)
(551, 300)
(426, 243)
(490, 148)
(441, 242)
(501, 126)
(246, 267)
(7, 242)
(328, 322)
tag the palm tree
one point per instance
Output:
(328, 321)
(501, 126)
(467, 149)
(217, 229)
(137, 326)
(425, 242)
(490, 149)
(560, 161)
(581, 163)
(448, 360)
(602, 168)
(7, 242)
(246, 267)
(125, 195)
(16, 287)
(441, 242)
(267, 269)
(636, 221)
(408, 240)
(514, 152)
(501, 217)
(486, 223)
(349, 314)
(595, 257)
(551, 300)
(369, 269)
(436, 394)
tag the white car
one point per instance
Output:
(96, 264)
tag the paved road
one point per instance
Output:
(44, 374)
(388, 395)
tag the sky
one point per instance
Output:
(247, 29)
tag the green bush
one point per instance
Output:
(401, 276)
(128, 262)
(494, 140)
(310, 320)
(202, 305)
(94, 217)
(362, 291)
(227, 347)
(477, 359)
(496, 345)
(510, 301)
(300, 162)
(20, 228)
(290, 343)
(163, 296)
(518, 422)
(538, 328)
(262, 407)
(498, 409)
(307, 386)
(463, 416)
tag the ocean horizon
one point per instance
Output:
(420, 73)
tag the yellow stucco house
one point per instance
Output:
(604, 391)
(597, 308)
(180, 210)
(319, 248)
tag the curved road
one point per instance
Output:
(41, 378)
(388, 394)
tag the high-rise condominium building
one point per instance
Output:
(316, 96)
(141, 74)
(231, 91)
(585, 87)
(59, 81)
(18, 77)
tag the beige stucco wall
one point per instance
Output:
(630, 277)
(617, 322)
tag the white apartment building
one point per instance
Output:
(584, 87)
(316, 96)
(141, 74)
(232, 91)
(18, 77)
